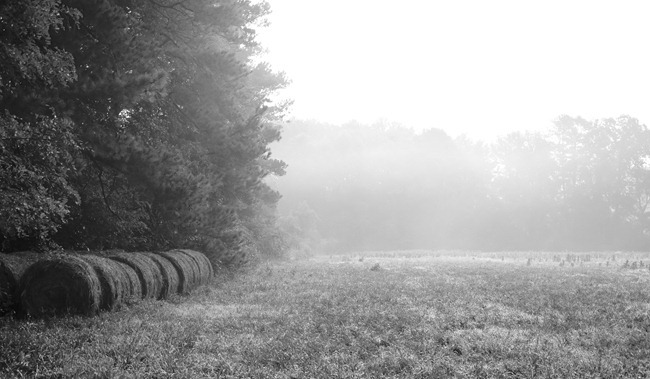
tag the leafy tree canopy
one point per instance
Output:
(146, 124)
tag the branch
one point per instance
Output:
(173, 7)
(188, 118)
(101, 185)
(23, 138)
(169, 6)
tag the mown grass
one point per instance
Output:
(411, 315)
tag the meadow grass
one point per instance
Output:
(375, 314)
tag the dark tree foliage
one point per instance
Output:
(161, 121)
(37, 143)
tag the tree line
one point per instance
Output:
(139, 125)
(581, 185)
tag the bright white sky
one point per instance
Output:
(478, 67)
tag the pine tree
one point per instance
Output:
(171, 121)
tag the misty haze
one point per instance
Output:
(581, 186)
(340, 189)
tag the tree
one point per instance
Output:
(602, 173)
(170, 113)
(37, 143)
(524, 191)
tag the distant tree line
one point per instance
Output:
(582, 185)
(138, 125)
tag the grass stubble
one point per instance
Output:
(418, 316)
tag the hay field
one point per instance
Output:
(414, 314)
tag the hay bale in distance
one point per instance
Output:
(185, 267)
(171, 280)
(199, 272)
(203, 260)
(134, 287)
(60, 284)
(148, 272)
(12, 268)
(204, 266)
(113, 279)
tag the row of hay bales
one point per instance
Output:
(77, 283)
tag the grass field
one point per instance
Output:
(410, 314)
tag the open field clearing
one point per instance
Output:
(411, 314)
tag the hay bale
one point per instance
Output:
(185, 267)
(134, 286)
(60, 284)
(12, 268)
(148, 272)
(171, 280)
(204, 266)
(114, 281)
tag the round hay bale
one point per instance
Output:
(12, 268)
(203, 259)
(171, 280)
(205, 267)
(60, 284)
(148, 272)
(134, 287)
(114, 281)
(185, 267)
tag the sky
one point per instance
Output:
(474, 67)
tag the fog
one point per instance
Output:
(584, 185)
(482, 68)
(503, 71)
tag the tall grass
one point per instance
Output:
(434, 316)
